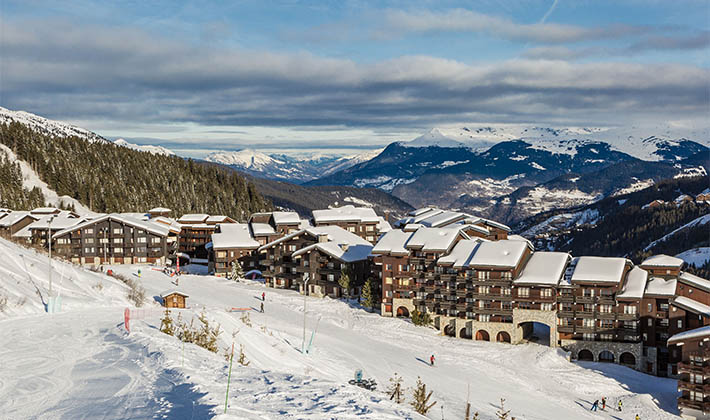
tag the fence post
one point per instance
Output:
(126, 319)
(229, 379)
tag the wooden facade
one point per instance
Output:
(174, 300)
(694, 373)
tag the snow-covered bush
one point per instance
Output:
(421, 318)
(421, 399)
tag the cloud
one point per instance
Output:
(462, 20)
(128, 76)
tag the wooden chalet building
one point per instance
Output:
(438, 218)
(14, 221)
(283, 269)
(362, 221)
(174, 299)
(196, 232)
(159, 212)
(269, 226)
(693, 373)
(41, 230)
(113, 239)
(232, 242)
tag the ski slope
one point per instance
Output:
(82, 364)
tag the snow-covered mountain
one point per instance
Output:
(46, 126)
(156, 150)
(287, 168)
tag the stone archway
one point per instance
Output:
(450, 330)
(627, 359)
(585, 355)
(482, 335)
(535, 323)
(465, 333)
(503, 337)
(605, 356)
(402, 312)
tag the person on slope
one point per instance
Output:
(431, 360)
(637, 417)
(595, 406)
(619, 404)
(263, 296)
(262, 307)
(604, 403)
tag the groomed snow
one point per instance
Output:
(696, 256)
(81, 363)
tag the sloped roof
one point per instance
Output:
(393, 242)
(219, 219)
(59, 222)
(599, 269)
(286, 217)
(662, 260)
(544, 268)
(461, 254)
(152, 227)
(488, 222)
(442, 219)
(383, 225)
(635, 284)
(15, 216)
(434, 239)
(347, 213)
(45, 210)
(334, 233)
(504, 254)
(691, 305)
(657, 286)
(159, 210)
(687, 335)
(171, 292)
(172, 224)
(233, 235)
(694, 280)
(341, 244)
(193, 218)
(262, 229)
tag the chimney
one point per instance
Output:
(344, 246)
(387, 216)
(322, 237)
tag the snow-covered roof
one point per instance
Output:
(152, 227)
(304, 224)
(488, 222)
(690, 334)
(461, 254)
(682, 197)
(341, 244)
(347, 213)
(694, 280)
(393, 242)
(662, 260)
(691, 305)
(233, 235)
(383, 225)
(13, 217)
(193, 218)
(434, 239)
(544, 268)
(58, 222)
(159, 210)
(705, 191)
(520, 238)
(286, 217)
(442, 219)
(25, 232)
(333, 233)
(262, 229)
(417, 212)
(503, 254)
(171, 223)
(411, 227)
(45, 210)
(599, 269)
(635, 284)
(169, 292)
(218, 219)
(658, 286)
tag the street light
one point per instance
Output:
(305, 291)
(104, 240)
(49, 239)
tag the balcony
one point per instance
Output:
(686, 367)
(565, 314)
(565, 328)
(606, 299)
(584, 299)
(606, 315)
(565, 298)
(585, 314)
(627, 317)
(697, 405)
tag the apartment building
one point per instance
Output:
(361, 221)
(196, 232)
(694, 373)
(232, 242)
(268, 226)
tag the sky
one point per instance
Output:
(343, 76)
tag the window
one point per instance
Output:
(388, 280)
(221, 254)
(607, 323)
(351, 229)
(696, 378)
(505, 291)
(546, 292)
(89, 250)
(606, 337)
(155, 240)
(484, 275)
(291, 248)
(370, 228)
(404, 267)
(663, 322)
(645, 338)
(588, 292)
(484, 318)
(630, 325)
(650, 307)
(650, 322)
(696, 396)
(506, 275)
(588, 337)
(404, 282)
(89, 231)
(331, 277)
(523, 292)
(483, 290)
(89, 240)
(629, 309)
(546, 306)
(142, 240)
(605, 309)
(118, 250)
(63, 241)
(388, 267)
(118, 231)
(506, 305)
(117, 240)
(370, 238)
(680, 323)
(588, 322)
(481, 304)
(524, 305)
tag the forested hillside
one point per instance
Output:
(108, 178)
(12, 194)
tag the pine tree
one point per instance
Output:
(345, 280)
(369, 298)
(421, 318)
(166, 323)
(421, 398)
(395, 389)
(502, 413)
(237, 272)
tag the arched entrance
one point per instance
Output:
(503, 337)
(606, 356)
(450, 330)
(482, 335)
(465, 333)
(535, 332)
(585, 355)
(627, 359)
(402, 312)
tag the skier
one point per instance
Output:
(604, 403)
(431, 360)
(139, 273)
(595, 406)
(637, 417)
(619, 405)
(262, 307)
(263, 296)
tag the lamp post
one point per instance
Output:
(104, 240)
(49, 240)
(305, 292)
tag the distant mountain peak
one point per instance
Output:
(156, 150)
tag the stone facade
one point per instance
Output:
(596, 347)
(408, 304)
(523, 319)
(469, 329)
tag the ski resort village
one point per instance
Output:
(344, 314)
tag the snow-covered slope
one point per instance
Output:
(696, 256)
(245, 159)
(156, 150)
(47, 126)
(700, 221)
